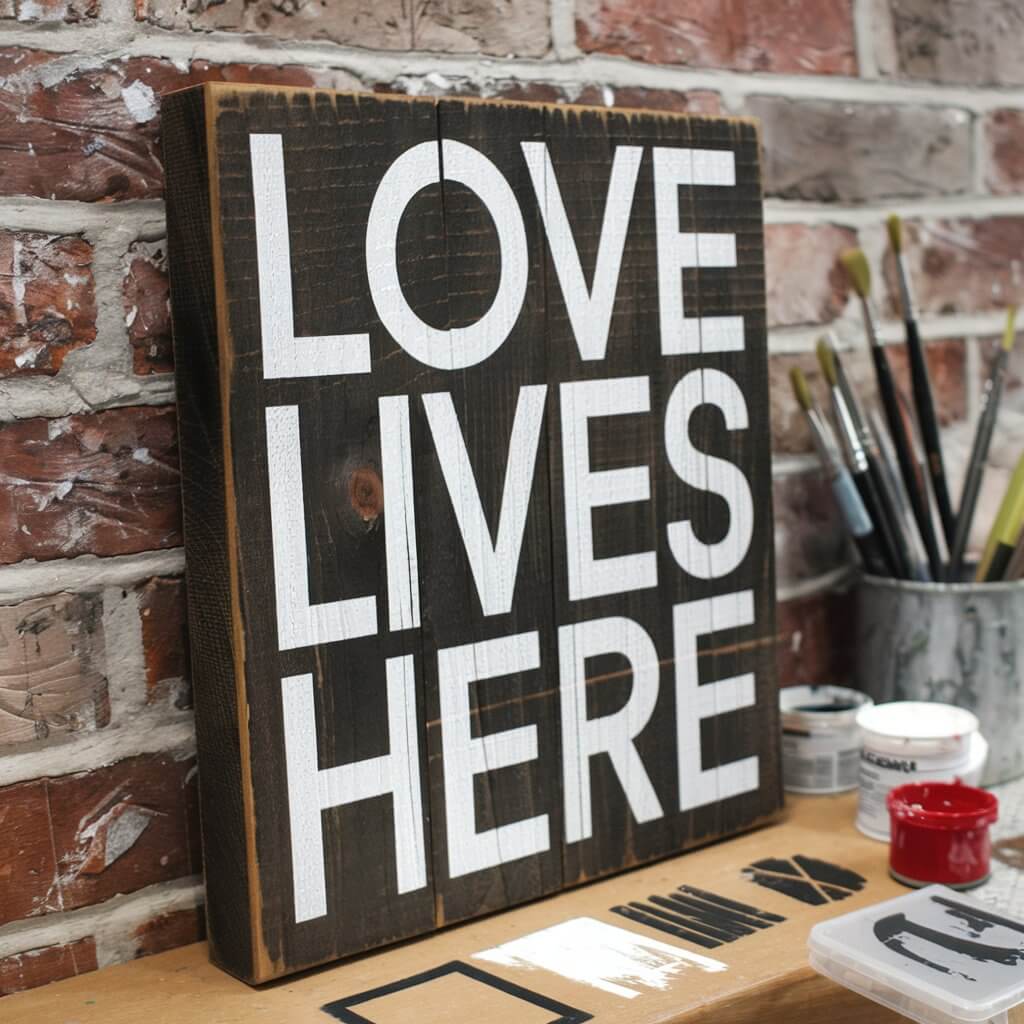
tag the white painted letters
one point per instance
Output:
(399, 513)
(677, 249)
(494, 564)
(465, 755)
(708, 473)
(587, 489)
(613, 734)
(299, 623)
(590, 311)
(312, 790)
(457, 347)
(284, 355)
(695, 702)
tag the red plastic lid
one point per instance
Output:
(943, 805)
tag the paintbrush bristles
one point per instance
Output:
(1010, 334)
(894, 226)
(855, 264)
(800, 388)
(827, 361)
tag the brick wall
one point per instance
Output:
(866, 107)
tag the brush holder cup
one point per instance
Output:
(955, 643)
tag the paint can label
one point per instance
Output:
(881, 772)
(819, 764)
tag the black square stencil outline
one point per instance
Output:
(341, 1009)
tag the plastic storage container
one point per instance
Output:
(934, 955)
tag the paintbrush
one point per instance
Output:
(856, 266)
(979, 451)
(862, 453)
(855, 515)
(926, 419)
(1008, 538)
(1003, 525)
(1015, 569)
(894, 483)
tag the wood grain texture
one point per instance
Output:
(433, 409)
(768, 980)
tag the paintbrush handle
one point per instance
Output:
(905, 457)
(896, 508)
(859, 523)
(869, 486)
(976, 466)
(929, 425)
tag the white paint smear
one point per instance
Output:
(591, 952)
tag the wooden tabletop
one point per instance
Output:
(558, 959)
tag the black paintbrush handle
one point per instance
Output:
(869, 495)
(889, 509)
(905, 457)
(929, 425)
(871, 554)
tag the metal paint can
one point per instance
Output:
(912, 741)
(955, 643)
(820, 738)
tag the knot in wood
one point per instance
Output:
(366, 493)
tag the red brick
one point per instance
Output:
(52, 668)
(962, 266)
(70, 11)
(696, 101)
(793, 36)
(1004, 151)
(833, 150)
(147, 308)
(487, 26)
(434, 84)
(810, 538)
(818, 292)
(28, 864)
(790, 435)
(80, 839)
(816, 639)
(94, 135)
(957, 42)
(946, 362)
(168, 931)
(165, 639)
(35, 967)
(47, 301)
(105, 483)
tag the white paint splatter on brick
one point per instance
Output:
(140, 100)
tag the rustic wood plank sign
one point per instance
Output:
(475, 444)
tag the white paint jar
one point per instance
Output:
(820, 738)
(913, 741)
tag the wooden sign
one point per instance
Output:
(475, 444)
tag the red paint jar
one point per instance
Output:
(939, 833)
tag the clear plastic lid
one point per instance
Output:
(933, 955)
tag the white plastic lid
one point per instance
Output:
(916, 720)
(933, 955)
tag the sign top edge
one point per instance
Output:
(215, 90)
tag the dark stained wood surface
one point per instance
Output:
(336, 150)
